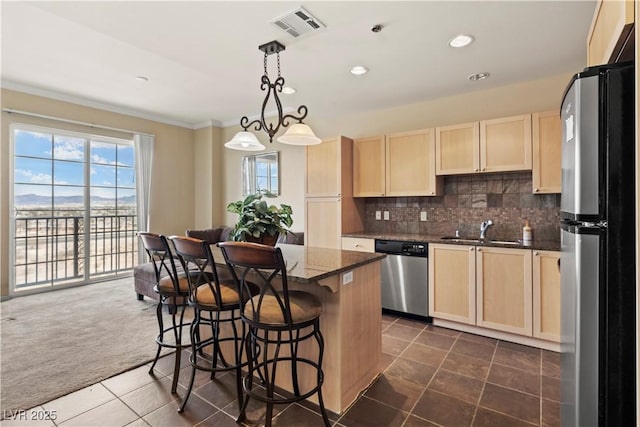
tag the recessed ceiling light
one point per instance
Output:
(479, 76)
(461, 40)
(142, 78)
(359, 70)
(288, 90)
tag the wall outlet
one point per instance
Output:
(423, 216)
(386, 215)
(347, 277)
(378, 215)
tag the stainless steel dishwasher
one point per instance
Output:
(404, 276)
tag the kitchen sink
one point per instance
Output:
(461, 240)
(481, 242)
(504, 242)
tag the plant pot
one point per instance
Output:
(265, 239)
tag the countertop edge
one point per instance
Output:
(375, 257)
(540, 245)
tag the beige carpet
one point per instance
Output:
(54, 343)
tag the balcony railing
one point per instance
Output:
(53, 250)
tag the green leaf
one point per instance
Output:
(257, 218)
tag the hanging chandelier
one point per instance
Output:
(296, 134)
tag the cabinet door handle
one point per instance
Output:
(484, 169)
(536, 253)
(479, 249)
(357, 245)
(471, 249)
(537, 190)
(476, 170)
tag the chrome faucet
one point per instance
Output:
(484, 226)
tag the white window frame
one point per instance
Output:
(13, 127)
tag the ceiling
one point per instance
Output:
(203, 64)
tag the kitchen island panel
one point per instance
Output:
(347, 283)
(351, 325)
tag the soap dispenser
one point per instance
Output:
(526, 233)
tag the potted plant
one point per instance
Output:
(259, 222)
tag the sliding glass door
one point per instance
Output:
(73, 207)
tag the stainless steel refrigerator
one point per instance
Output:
(598, 255)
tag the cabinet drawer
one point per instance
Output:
(358, 244)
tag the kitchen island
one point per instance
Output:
(348, 285)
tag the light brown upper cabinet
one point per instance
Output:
(324, 168)
(457, 149)
(505, 144)
(610, 36)
(497, 145)
(399, 164)
(369, 167)
(547, 152)
(410, 164)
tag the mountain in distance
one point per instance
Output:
(36, 200)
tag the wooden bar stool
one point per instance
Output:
(277, 318)
(172, 287)
(216, 304)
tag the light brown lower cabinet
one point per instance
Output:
(546, 295)
(452, 282)
(505, 289)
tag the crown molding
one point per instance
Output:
(58, 96)
(208, 123)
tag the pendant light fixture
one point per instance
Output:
(297, 134)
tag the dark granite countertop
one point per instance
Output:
(542, 245)
(307, 264)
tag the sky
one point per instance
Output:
(43, 162)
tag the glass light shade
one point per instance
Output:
(245, 141)
(299, 134)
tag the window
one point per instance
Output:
(74, 207)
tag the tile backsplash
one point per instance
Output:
(504, 198)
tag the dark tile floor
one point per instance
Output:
(431, 376)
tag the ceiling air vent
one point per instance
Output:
(298, 22)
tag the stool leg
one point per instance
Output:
(294, 361)
(193, 332)
(160, 335)
(200, 351)
(270, 379)
(237, 348)
(177, 336)
(249, 348)
(215, 333)
(320, 376)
